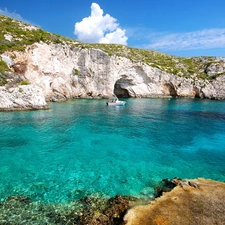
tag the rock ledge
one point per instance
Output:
(195, 202)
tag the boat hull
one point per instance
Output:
(118, 103)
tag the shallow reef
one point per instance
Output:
(16, 210)
(176, 201)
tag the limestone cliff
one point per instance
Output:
(62, 72)
(23, 97)
(62, 68)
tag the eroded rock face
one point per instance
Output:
(61, 73)
(23, 97)
(215, 89)
(215, 68)
(197, 201)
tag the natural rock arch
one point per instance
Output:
(119, 89)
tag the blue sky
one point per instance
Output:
(177, 27)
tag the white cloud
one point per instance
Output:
(118, 36)
(99, 28)
(13, 15)
(202, 39)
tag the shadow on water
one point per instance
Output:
(14, 142)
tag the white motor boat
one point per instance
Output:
(115, 102)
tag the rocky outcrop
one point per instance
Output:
(22, 97)
(214, 89)
(63, 72)
(214, 68)
(197, 201)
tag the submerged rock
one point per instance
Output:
(185, 202)
(20, 199)
(87, 210)
(196, 202)
(101, 211)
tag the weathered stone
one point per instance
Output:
(21, 199)
(22, 97)
(215, 68)
(94, 211)
(197, 201)
(61, 73)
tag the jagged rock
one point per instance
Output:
(215, 68)
(197, 201)
(64, 68)
(62, 72)
(21, 199)
(22, 97)
(94, 211)
(215, 89)
(165, 185)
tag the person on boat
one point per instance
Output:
(115, 100)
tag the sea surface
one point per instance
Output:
(83, 147)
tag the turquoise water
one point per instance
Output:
(84, 147)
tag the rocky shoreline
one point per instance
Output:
(88, 210)
(55, 72)
(22, 97)
(56, 68)
(198, 201)
(177, 201)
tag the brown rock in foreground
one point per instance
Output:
(194, 202)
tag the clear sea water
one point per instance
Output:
(84, 147)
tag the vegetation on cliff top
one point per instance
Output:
(16, 35)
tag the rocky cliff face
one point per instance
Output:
(23, 97)
(60, 72)
(61, 68)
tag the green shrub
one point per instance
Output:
(3, 66)
(24, 82)
(76, 71)
(22, 37)
(3, 78)
(3, 81)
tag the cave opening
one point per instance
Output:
(170, 89)
(119, 91)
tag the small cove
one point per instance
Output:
(83, 147)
